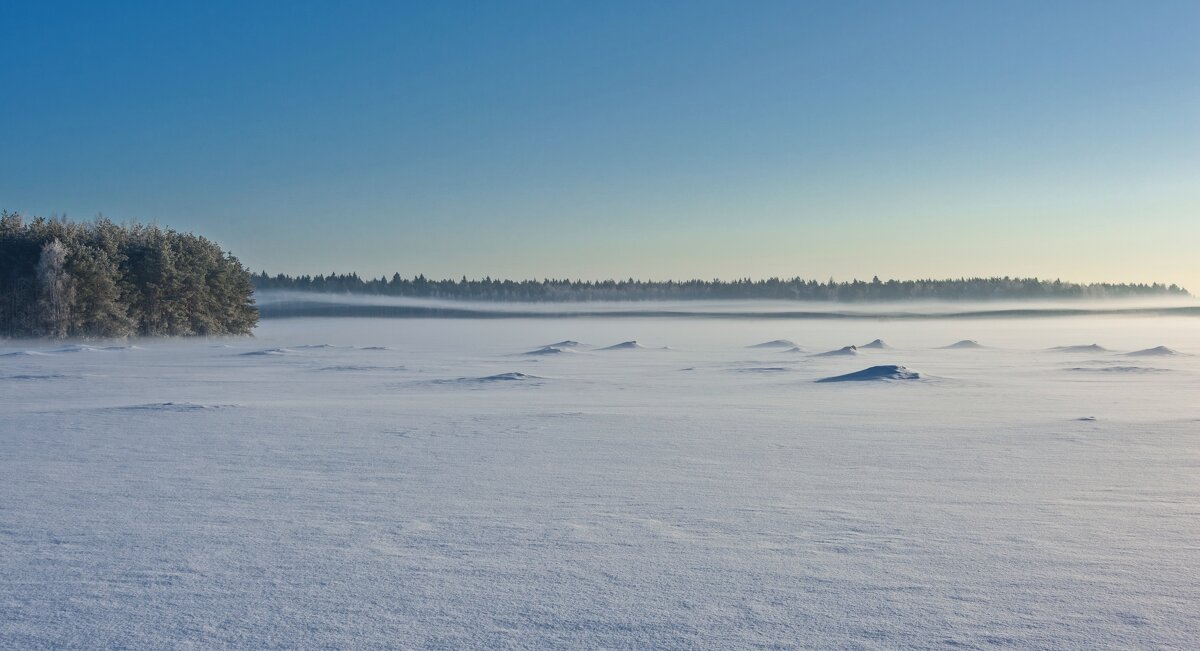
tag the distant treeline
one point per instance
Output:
(100, 279)
(795, 289)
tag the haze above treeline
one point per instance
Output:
(795, 289)
(100, 279)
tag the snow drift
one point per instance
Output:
(964, 344)
(848, 350)
(625, 345)
(876, 373)
(775, 343)
(1088, 348)
(1157, 351)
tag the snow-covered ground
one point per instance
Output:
(424, 483)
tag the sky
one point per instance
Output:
(622, 139)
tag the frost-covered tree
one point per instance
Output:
(99, 279)
(56, 290)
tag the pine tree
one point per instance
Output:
(98, 308)
(59, 279)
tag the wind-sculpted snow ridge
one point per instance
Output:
(626, 345)
(271, 352)
(1086, 348)
(511, 377)
(176, 406)
(551, 350)
(795, 350)
(775, 343)
(876, 373)
(360, 368)
(42, 376)
(761, 369)
(1157, 351)
(505, 377)
(1117, 369)
(878, 344)
(964, 344)
(847, 350)
(26, 353)
(565, 343)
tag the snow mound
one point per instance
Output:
(550, 350)
(1157, 351)
(761, 369)
(848, 350)
(374, 348)
(878, 344)
(565, 343)
(965, 343)
(876, 373)
(1090, 348)
(316, 346)
(794, 350)
(775, 343)
(25, 353)
(626, 345)
(121, 348)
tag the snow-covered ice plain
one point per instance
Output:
(425, 483)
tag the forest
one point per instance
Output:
(99, 279)
(795, 289)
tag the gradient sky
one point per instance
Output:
(612, 139)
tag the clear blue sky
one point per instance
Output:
(689, 139)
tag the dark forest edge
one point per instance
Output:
(791, 289)
(100, 279)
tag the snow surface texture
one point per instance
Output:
(422, 484)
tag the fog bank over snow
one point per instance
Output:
(287, 304)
